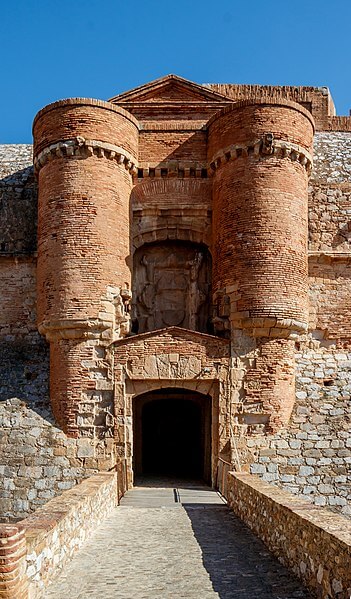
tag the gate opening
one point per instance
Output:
(172, 434)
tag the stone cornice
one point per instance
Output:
(175, 332)
(328, 256)
(83, 328)
(79, 146)
(266, 146)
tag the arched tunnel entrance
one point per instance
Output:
(172, 434)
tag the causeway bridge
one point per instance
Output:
(167, 538)
(174, 540)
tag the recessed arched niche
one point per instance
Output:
(171, 286)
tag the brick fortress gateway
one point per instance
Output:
(188, 291)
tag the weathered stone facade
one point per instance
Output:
(312, 542)
(171, 268)
(40, 546)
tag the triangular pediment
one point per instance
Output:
(169, 89)
(175, 333)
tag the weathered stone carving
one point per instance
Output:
(172, 284)
(121, 302)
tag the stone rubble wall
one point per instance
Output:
(329, 218)
(312, 458)
(38, 461)
(18, 200)
(52, 536)
(331, 158)
(312, 541)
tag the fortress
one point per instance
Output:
(182, 305)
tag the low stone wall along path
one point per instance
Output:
(172, 540)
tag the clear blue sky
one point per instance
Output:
(52, 49)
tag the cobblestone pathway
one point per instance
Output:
(180, 541)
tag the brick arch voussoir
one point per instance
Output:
(165, 234)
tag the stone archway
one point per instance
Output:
(172, 434)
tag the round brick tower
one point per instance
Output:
(85, 152)
(260, 152)
(260, 155)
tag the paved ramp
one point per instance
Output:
(174, 541)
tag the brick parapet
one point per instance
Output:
(242, 134)
(13, 582)
(338, 123)
(317, 100)
(310, 540)
(58, 121)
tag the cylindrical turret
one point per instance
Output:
(85, 153)
(260, 152)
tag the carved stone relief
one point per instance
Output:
(171, 286)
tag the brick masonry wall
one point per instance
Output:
(260, 216)
(18, 298)
(317, 100)
(84, 187)
(74, 270)
(171, 209)
(13, 580)
(329, 297)
(313, 543)
(162, 146)
(269, 385)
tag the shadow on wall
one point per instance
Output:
(18, 213)
(24, 363)
(24, 374)
(239, 564)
